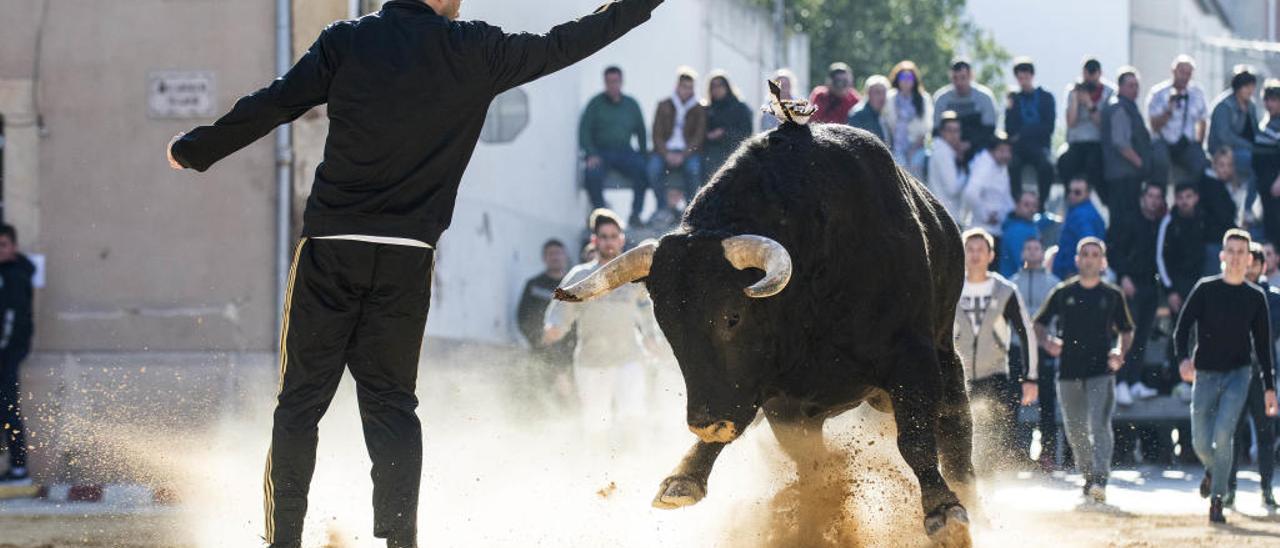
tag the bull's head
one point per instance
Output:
(710, 300)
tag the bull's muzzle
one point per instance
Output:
(716, 432)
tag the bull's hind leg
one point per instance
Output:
(955, 432)
(687, 484)
(917, 389)
(799, 436)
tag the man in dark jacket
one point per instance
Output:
(1132, 256)
(16, 328)
(407, 91)
(1028, 120)
(1126, 146)
(1181, 243)
(554, 360)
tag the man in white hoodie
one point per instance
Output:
(946, 172)
(989, 312)
(986, 196)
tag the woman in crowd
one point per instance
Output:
(908, 117)
(728, 123)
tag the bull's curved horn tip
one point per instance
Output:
(562, 295)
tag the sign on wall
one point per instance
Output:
(181, 94)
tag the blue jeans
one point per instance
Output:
(1216, 402)
(630, 164)
(691, 169)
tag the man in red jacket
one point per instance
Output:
(837, 98)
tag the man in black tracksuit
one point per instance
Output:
(407, 90)
(16, 328)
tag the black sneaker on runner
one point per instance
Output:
(1215, 511)
(1268, 500)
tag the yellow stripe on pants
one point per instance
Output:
(268, 487)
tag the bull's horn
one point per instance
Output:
(627, 268)
(749, 251)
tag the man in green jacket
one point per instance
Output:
(608, 125)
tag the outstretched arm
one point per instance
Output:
(519, 58)
(290, 96)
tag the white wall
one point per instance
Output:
(516, 195)
(1057, 36)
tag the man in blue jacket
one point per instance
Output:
(1083, 221)
(1029, 120)
(407, 90)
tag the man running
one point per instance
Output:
(407, 90)
(1232, 326)
(1094, 333)
(614, 334)
(1255, 406)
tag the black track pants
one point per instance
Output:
(361, 306)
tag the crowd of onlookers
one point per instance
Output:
(1106, 272)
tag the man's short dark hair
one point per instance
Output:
(553, 243)
(960, 63)
(1271, 89)
(1244, 75)
(1185, 186)
(602, 217)
(1092, 66)
(612, 69)
(1023, 64)
(686, 74)
(1033, 238)
(979, 233)
(7, 230)
(1255, 249)
(1237, 234)
(1092, 240)
(1126, 72)
(1147, 186)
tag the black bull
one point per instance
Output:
(864, 313)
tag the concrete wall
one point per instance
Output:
(1162, 29)
(139, 257)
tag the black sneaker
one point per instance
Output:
(1268, 500)
(1204, 486)
(1215, 510)
(19, 478)
(1230, 500)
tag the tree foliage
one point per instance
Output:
(873, 35)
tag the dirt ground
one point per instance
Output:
(498, 474)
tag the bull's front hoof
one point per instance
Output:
(678, 492)
(948, 527)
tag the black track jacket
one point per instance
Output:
(407, 91)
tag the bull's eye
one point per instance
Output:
(734, 319)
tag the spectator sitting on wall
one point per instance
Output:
(1266, 161)
(1023, 223)
(986, 195)
(786, 81)
(1178, 109)
(974, 105)
(947, 172)
(837, 98)
(868, 114)
(1235, 120)
(556, 359)
(679, 131)
(728, 123)
(1126, 146)
(1227, 200)
(908, 115)
(1029, 120)
(16, 329)
(1181, 245)
(1085, 100)
(609, 123)
(1083, 221)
